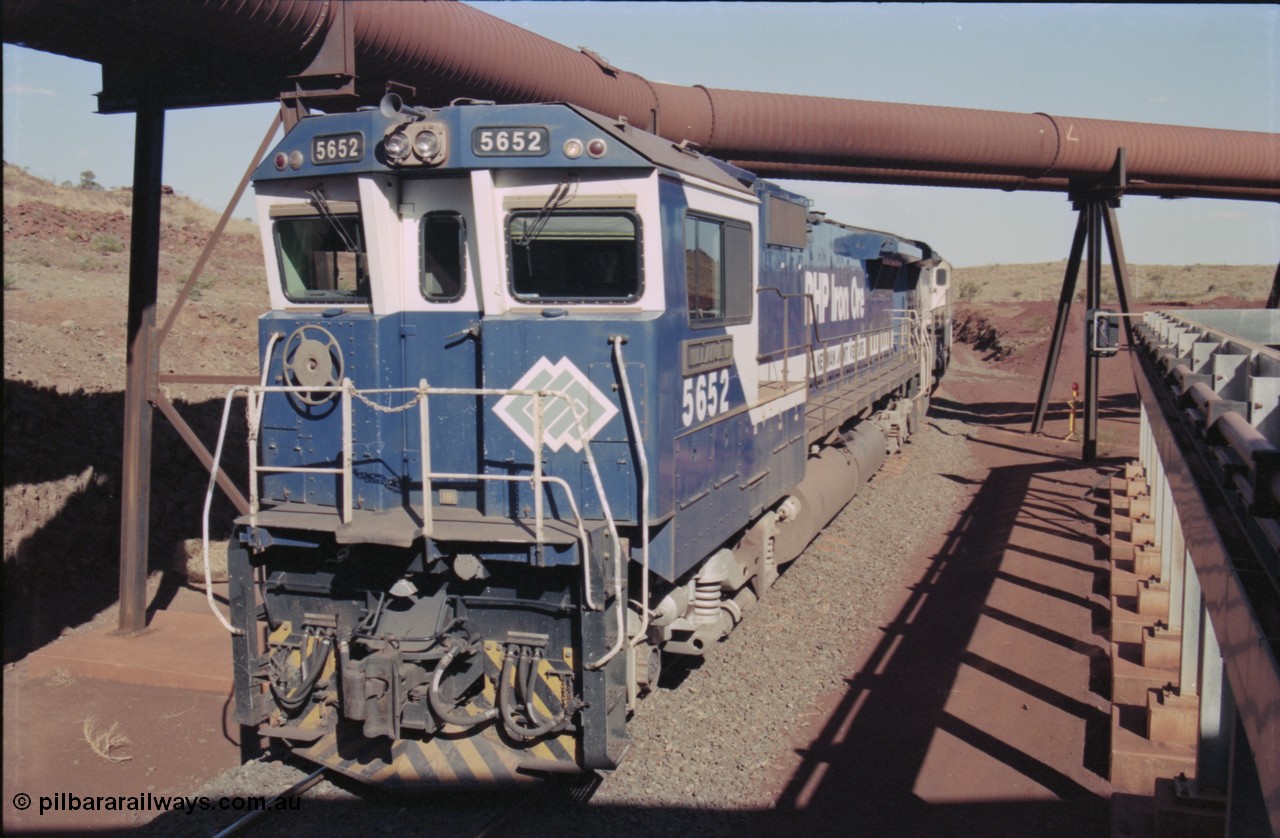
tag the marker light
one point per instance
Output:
(573, 149)
(596, 148)
(397, 146)
(295, 159)
(282, 160)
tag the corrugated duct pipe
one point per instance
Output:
(449, 49)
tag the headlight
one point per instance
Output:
(427, 144)
(397, 146)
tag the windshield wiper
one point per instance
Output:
(322, 204)
(561, 195)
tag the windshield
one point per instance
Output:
(322, 258)
(587, 256)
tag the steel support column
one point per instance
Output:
(1092, 297)
(140, 372)
(1096, 205)
(1060, 323)
(1217, 715)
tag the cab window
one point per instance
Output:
(717, 266)
(574, 256)
(443, 241)
(322, 257)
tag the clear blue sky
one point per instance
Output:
(1208, 65)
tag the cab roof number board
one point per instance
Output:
(510, 141)
(347, 147)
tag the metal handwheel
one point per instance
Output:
(312, 358)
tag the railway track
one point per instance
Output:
(297, 789)
(575, 791)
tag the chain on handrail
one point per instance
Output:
(382, 408)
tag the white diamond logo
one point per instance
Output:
(583, 405)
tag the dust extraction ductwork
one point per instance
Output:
(219, 52)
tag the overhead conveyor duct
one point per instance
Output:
(220, 51)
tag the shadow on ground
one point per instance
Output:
(62, 455)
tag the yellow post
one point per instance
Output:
(1071, 418)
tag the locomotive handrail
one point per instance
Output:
(786, 332)
(642, 461)
(537, 479)
(818, 341)
(213, 477)
(917, 349)
(921, 347)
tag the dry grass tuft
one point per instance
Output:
(61, 678)
(104, 742)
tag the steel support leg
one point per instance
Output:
(140, 373)
(1060, 324)
(1217, 715)
(1118, 265)
(1093, 285)
(1193, 614)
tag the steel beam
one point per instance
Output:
(1093, 293)
(141, 368)
(1060, 324)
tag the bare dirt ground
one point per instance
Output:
(65, 292)
(66, 266)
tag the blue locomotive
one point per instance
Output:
(544, 398)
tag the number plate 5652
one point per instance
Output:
(509, 141)
(337, 148)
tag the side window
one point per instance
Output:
(443, 242)
(940, 278)
(883, 273)
(574, 256)
(717, 265)
(322, 258)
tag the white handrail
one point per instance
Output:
(347, 431)
(642, 461)
(424, 458)
(208, 502)
(347, 391)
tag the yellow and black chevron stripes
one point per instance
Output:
(313, 719)
(481, 758)
(551, 690)
(477, 757)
